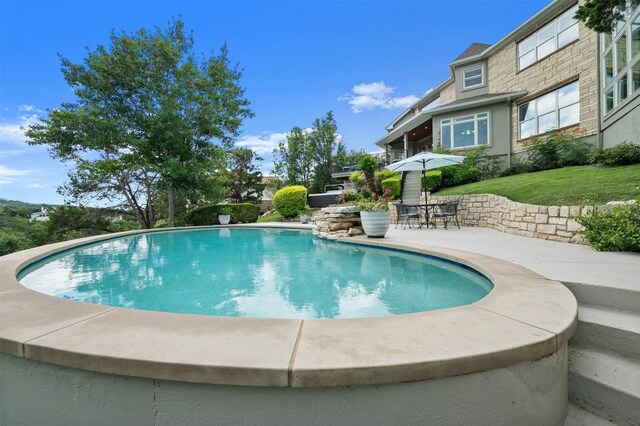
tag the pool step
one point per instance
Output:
(605, 384)
(626, 299)
(607, 329)
(577, 416)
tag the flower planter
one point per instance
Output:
(224, 219)
(375, 224)
(304, 218)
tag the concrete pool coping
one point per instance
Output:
(525, 318)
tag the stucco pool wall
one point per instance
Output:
(501, 360)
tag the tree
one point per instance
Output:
(147, 114)
(324, 139)
(306, 158)
(244, 180)
(602, 15)
(294, 158)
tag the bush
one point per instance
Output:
(616, 230)
(459, 175)
(12, 241)
(392, 183)
(208, 215)
(488, 165)
(518, 166)
(358, 179)
(382, 175)
(558, 149)
(620, 155)
(432, 180)
(290, 200)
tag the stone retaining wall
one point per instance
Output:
(335, 222)
(493, 211)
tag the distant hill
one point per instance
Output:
(31, 206)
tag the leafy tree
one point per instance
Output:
(294, 158)
(344, 157)
(244, 180)
(602, 15)
(369, 164)
(307, 156)
(68, 222)
(147, 113)
(324, 139)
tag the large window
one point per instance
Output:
(465, 131)
(620, 60)
(553, 110)
(473, 77)
(556, 34)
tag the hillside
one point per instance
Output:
(582, 185)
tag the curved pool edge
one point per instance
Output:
(524, 319)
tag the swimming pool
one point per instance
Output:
(501, 359)
(259, 273)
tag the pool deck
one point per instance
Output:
(564, 262)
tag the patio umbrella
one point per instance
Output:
(425, 161)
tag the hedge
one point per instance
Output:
(394, 184)
(432, 180)
(290, 200)
(208, 215)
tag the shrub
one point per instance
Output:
(381, 176)
(616, 230)
(161, 223)
(488, 165)
(518, 166)
(358, 179)
(459, 175)
(620, 155)
(290, 200)
(432, 180)
(208, 215)
(392, 183)
(558, 149)
(12, 241)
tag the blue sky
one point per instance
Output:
(364, 60)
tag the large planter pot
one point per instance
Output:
(224, 219)
(375, 224)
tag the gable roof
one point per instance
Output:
(473, 50)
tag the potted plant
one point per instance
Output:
(305, 215)
(224, 215)
(375, 215)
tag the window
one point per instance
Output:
(465, 131)
(473, 77)
(552, 110)
(431, 105)
(556, 34)
(621, 60)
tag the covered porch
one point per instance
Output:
(409, 138)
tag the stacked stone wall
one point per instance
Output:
(336, 222)
(554, 223)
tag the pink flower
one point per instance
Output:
(386, 198)
(388, 190)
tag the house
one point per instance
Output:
(41, 216)
(550, 73)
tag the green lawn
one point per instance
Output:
(583, 185)
(276, 217)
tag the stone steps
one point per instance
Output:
(411, 190)
(605, 384)
(604, 357)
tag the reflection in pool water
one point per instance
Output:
(265, 273)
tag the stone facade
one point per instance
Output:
(577, 59)
(336, 222)
(493, 211)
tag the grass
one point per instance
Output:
(569, 186)
(276, 217)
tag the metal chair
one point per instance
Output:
(446, 211)
(406, 212)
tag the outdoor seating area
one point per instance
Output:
(426, 214)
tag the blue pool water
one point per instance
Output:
(266, 273)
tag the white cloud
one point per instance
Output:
(369, 96)
(264, 143)
(26, 108)
(12, 131)
(36, 185)
(9, 175)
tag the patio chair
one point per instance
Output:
(445, 211)
(406, 212)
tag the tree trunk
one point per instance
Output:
(171, 206)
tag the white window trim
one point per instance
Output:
(450, 124)
(626, 70)
(555, 38)
(482, 77)
(556, 110)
